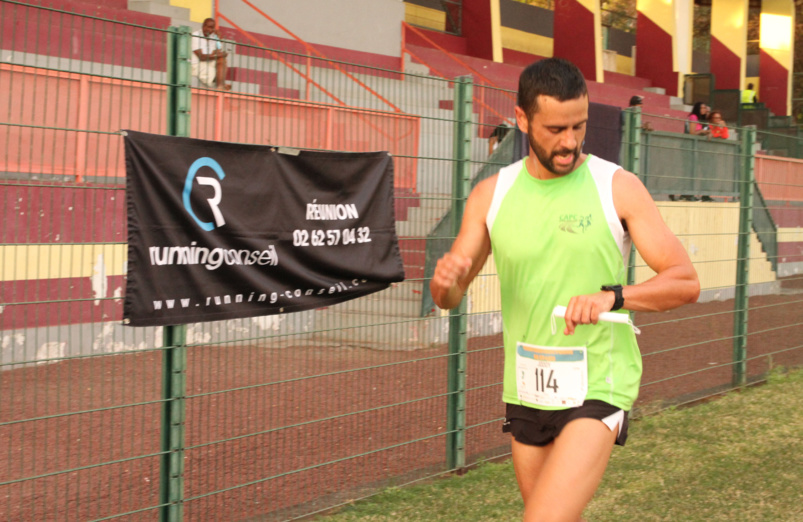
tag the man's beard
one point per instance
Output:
(547, 160)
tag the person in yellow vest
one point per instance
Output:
(749, 95)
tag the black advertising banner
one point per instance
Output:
(224, 230)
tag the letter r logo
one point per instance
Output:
(214, 201)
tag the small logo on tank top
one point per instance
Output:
(575, 223)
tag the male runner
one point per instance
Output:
(559, 223)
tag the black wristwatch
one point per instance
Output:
(619, 300)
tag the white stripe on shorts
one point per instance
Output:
(615, 419)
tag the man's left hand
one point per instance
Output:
(585, 309)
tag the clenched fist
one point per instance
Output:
(444, 285)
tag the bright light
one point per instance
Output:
(776, 32)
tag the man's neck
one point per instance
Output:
(538, 171)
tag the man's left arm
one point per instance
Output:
(675, 282)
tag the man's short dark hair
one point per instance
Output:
(636, 100)
(555, 77)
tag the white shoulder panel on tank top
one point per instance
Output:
(503, 183)
(602, 172)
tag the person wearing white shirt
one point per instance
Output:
(208, 57)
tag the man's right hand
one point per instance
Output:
(450, 268)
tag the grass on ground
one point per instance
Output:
(739, 457)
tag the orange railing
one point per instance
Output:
(310, 49)
(481, 78)
(86, 143)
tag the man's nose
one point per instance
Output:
(568, 140)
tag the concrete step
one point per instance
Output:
(676, 104)
(413, 229)
(656, 90)
(399, 335)
(387, 320)
(427, 214)
(390, 88)
(401, 300)
(82, 67)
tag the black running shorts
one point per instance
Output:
(540, 427)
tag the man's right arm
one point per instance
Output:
(455, 270)
(198, 48)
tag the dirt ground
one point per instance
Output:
(261, 421)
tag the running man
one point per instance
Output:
(559, 223)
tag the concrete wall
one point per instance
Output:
(372, 26)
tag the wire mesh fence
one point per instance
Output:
(283, 416)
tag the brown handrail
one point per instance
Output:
(490, 83)
(310, 48)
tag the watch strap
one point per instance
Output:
(619, 300)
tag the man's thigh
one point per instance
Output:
(528, 461)
(572, 472)
(205, 71)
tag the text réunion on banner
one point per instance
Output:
(224, 230)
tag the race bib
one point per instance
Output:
(551, 376)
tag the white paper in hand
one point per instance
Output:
(610, 317)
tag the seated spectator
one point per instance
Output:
(717, 125)
(497, 136)
(697, 122)
(749, 95)
(638, 101)
(208, 56)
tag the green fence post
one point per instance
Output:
(174, 352)
(743, 257)
(461, 182)
(632, 163)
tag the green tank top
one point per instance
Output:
(552, 240)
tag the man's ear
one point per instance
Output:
(521, 120)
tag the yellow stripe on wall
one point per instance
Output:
(25, 262)
(525, 42)
(660, 12)
(200, 10)
(790, 235)
(729, 25)
(424, 17)
(624, 65)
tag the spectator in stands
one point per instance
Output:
(497, 136)
(697, 122)
(717, 125)
(638, 101)
(749, 95)
(208, 56)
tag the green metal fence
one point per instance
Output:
(280, 417)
